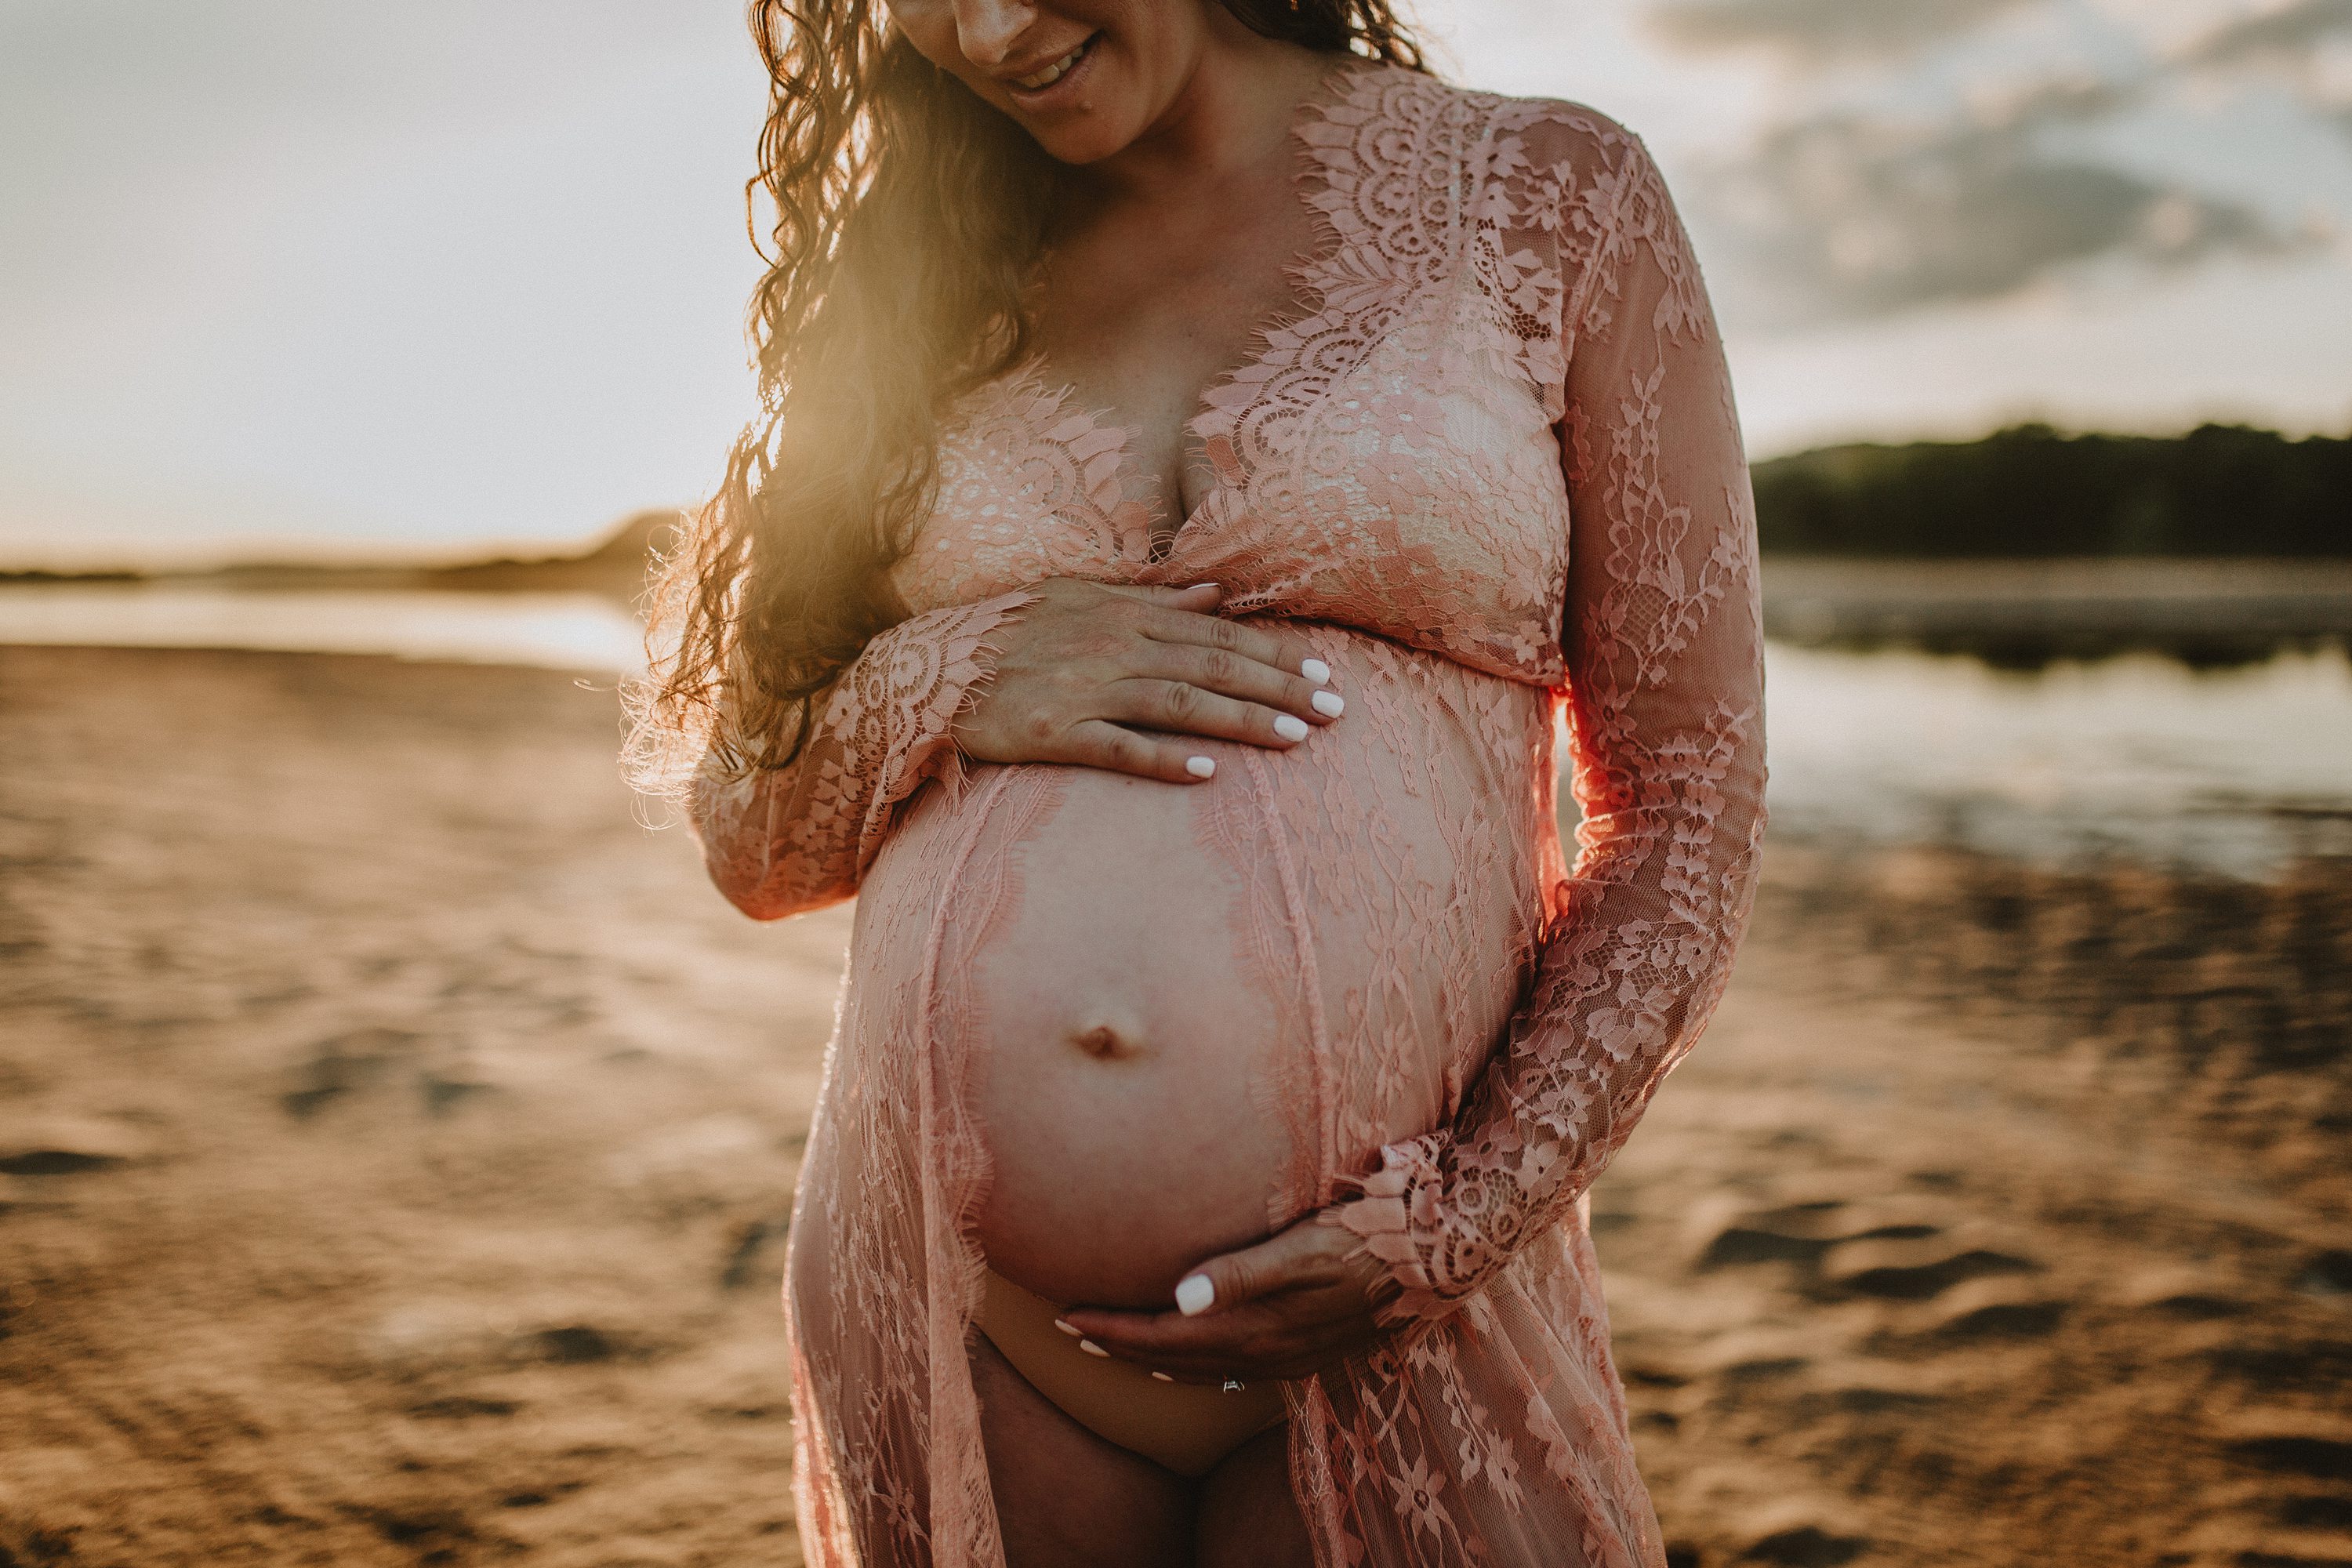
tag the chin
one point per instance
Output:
(1100, 111)
(1078, 145)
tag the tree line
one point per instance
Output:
(2029, 490)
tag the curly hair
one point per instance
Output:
(909, 219)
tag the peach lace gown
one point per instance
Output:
(1492, 469)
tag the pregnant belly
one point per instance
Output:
(1126, 1054)
(1204, 1002)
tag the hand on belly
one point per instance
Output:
(1124, 1058)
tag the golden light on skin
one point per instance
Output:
(1134, 77)
(480, 285)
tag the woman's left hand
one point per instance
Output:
(1289, 1306)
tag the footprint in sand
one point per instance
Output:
(2319, 1458)
(1895, 1250)
(2328, 1276)
(363, 1060)
(2001, 1321)
(2306, 1528)
(461, 1407)
(2316, 1513)
(1997, 1310)
(1806, 1546)
(345, 1063)
(1805, 1232)
(1911, 1269)
(67, 1146)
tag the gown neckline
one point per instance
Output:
(1308, 301)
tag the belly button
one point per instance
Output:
(1106, 1043)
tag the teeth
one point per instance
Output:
(1052, 73)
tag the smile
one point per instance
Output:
(1040, 80)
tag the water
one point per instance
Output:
(555, 631)
(2232, 773)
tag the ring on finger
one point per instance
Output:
(1234, 1386)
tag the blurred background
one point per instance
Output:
(396, 1138)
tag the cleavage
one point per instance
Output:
(1141, 331)
(1150, 391)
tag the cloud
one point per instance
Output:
(1823, 27)
(1955, 166)
(1850, 215)
(2287, 33)
(2293, 43)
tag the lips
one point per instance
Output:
(1037, 81)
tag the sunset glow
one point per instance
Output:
(292, 281)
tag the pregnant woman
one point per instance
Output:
(1205, 455)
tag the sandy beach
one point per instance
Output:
(396, 1139)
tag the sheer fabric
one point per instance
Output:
(1492, 470)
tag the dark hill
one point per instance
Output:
(615, 565)
(2032, 492)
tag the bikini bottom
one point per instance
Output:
(1186, 1427)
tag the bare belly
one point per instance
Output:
(1126, 1052)
(1169, 1017)
(1202, 1004)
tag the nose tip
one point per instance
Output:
(987, 29)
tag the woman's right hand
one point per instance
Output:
(1082, 673)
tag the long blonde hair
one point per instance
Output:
(909, 216)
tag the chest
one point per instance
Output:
(1367, 437)
(1141, 314)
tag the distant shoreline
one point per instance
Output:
(2025, 548)
(2218, 496)
(614, 566)
(2021, 613)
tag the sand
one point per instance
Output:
(395, 1142)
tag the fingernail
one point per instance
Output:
(1315, 670)
(1065, 1328)
(1197, 586)
(1092, 1349)
(1196, 1294)
(1331, 704)
(1163, 1377)
(1202, 767)
(1290, 727)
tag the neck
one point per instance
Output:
(1232, 111)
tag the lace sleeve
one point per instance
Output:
(1665, 707)
(782, 841)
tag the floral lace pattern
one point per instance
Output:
(1491, 468)
(779, 843)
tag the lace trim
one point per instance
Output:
(1443, 250)
(1419, 187)
(1625, 985)
(1507, 289)
(781, 842)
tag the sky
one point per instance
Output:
(431, 278)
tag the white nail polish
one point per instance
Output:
(1331, 704)
(1315, 670)
(1196, 1294)
(1202, 767)
(1065, 1328)
(1163, 1377)
(1092, 1349)
(1290, 727)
